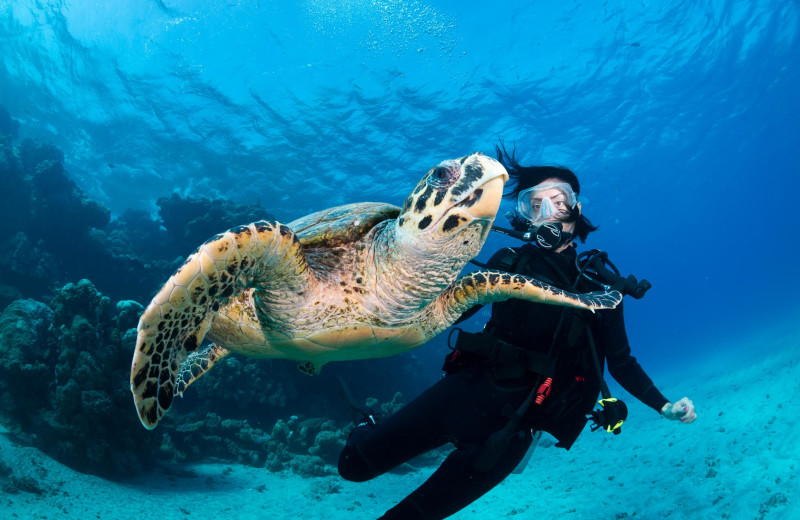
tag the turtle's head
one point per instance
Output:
(456, 200)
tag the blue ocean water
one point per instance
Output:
(681, 119)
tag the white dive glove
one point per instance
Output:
(682, 411)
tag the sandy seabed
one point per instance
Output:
(738, 461)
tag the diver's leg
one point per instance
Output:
(418, 427)
(456, 484)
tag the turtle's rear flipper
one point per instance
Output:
(174, 324)
(197, 364)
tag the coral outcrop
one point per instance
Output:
(54, 233)
(66, 342)
(64, 371)
(63, 380)
(191, 221)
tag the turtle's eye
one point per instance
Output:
(444, 175)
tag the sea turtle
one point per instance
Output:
(359, 281)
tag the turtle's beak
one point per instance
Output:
(484, 201)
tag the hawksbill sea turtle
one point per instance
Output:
(359, 281)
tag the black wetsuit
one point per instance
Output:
(465, 407)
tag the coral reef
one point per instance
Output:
(126, 257)
(66, 347)
(305, 446)
(386, 409)
(43, 244)
(192, 221)
(64, 371)
(64, 388)
(309, 447)
(63, 380)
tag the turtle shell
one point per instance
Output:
(342, 225)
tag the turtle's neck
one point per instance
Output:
(408, 273)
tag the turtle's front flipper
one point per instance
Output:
(180, 315)
(482, 287)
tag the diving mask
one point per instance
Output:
(544, 202)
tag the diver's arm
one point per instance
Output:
(627, 372)
(623, 367)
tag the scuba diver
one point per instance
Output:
(534, 368)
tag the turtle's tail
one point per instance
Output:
(175, 323)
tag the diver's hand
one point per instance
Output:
(682, 411)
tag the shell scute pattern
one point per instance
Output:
(179, 297)
(139, 376)
(214, 238)
(263, 226)
(197, 289)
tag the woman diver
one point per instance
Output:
(534, 367)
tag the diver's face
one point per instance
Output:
(559, 203)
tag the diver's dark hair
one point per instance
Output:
(523, 177)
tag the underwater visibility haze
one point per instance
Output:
(132, 131)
